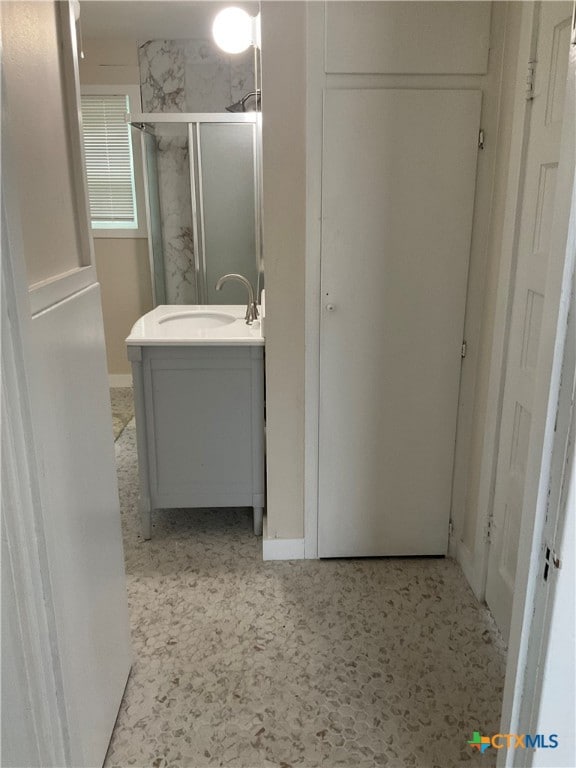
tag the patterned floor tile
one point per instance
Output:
(242, 663)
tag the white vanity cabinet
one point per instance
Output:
(200, 427)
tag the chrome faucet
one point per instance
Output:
(251, 309)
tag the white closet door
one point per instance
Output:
(399, 170)
(530, 287)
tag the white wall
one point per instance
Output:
(109, 61)
(123, 271)
(284, 222)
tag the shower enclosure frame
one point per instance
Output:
(194, 121)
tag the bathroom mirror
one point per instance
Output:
(199, 136)
(202, 205)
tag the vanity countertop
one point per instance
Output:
(195, 324)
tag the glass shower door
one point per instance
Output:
(227, 206)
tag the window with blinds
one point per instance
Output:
(109, 165)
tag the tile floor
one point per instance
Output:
(122, 408)
(237, 662)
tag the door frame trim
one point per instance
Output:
(315, 19)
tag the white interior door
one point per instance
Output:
(537, 207)
(74, 509)
(399, 169)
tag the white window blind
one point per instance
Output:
(109, 166)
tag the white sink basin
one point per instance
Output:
(196, 320)
(193, 324)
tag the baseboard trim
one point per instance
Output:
(283, 549)
(120, 379)
(465, 558)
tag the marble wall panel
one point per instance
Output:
(242, 76)
(162, 76)
(176, 215)
(192, 76)
(207, 78)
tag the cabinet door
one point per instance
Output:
(199, 413)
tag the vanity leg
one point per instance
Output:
(258, 517)
(146, 520)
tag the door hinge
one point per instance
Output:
(450, 529)
(530, 77)
(463, 349)
(481, 139)
(550, 559)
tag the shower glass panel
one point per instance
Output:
(153, 217)
(227, 180)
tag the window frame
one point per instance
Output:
(134, 105)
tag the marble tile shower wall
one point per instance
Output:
(176, 214)
(192, 76)
(185, 76)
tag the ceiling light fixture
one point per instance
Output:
(234, 30)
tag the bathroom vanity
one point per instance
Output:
(198, 374)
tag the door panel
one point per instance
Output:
(227, 184)
(73, 430)
(536, 214)
(43, 153)
(70, 441)
(399, 171)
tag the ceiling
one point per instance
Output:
(152, 19)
